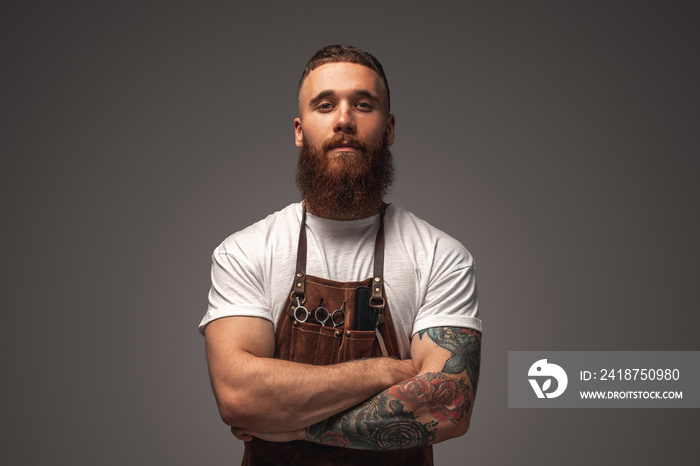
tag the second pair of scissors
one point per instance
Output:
(323, 315)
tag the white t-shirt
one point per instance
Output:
(429, 277)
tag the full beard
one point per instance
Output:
(344, 186)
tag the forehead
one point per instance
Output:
(341, 78)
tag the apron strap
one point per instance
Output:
(300, 275)
(377, 299)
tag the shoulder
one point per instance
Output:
(282, 225)
(422, 238)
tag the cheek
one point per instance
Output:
(311, 132)
(374, 130)
(312, 140)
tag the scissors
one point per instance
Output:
(325, 316)
(337, 323)
(300, 307)
(321, 314)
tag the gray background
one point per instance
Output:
(558, 141)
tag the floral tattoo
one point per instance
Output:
(445, 398)
(390, 419)
(408, 414)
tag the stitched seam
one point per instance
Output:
(329, 286)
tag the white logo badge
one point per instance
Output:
(542, 369)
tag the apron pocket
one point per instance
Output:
(358, 344)
(314, 344)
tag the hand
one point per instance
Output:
(404, 369)
(410, 369)
(247, 436)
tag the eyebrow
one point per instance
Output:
(320, 96)
(323, 94)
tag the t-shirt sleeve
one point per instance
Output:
(450, 299)
(236, 288)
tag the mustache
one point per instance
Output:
(343, 138)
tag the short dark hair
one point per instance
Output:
(344, 54)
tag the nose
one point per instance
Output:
(345, 120)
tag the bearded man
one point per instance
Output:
(341, 329)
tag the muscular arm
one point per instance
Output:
(255, 392)
(433, 406)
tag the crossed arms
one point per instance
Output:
(379, 403)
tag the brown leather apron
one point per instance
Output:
(312, 343)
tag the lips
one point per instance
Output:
(344, 142)
(345, 146)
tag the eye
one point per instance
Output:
(364, 105)
(325, 106)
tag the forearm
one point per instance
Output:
(434, 406)
(272, 395)
(428, 408)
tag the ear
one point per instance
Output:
(390, 124)
(298, 134)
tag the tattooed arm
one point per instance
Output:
(433, 406)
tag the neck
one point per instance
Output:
(335, 214)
